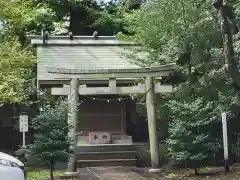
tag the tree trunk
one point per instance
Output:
(51, 170)
(238, 98)
(230, 59)
(228, 28)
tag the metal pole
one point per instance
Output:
(24, 140)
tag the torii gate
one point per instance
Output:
(149, 88)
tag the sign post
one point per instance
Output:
(23, 124)
(225, 141)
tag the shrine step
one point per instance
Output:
(106, 162)
(106, 155)
(106, 148)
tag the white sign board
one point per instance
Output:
(225, 136)
(99, 138)
(23, 123)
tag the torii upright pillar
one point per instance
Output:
(72, 121)
(152, 125)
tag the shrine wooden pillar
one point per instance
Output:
(73, 99)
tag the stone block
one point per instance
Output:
(70, 175)
(82, 140)
(99, 138)
(121, 139)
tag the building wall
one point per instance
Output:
(102, 116)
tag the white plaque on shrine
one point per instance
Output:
(99, 138)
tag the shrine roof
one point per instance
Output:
(80, 40)
(84, 52)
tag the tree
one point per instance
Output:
(84, 17)
(193, 140)
(185, 32)
(25, 16)
(51, 140)
(15, 64)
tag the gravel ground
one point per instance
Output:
(133, 173)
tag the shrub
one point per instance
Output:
(51, 141)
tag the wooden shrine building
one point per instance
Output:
(94, 72)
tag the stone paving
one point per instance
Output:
(117, 173)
